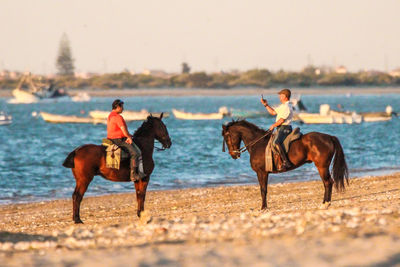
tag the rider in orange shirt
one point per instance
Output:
(117, 132)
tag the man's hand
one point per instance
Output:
(271, 128)
(264, 102)
(129, 140)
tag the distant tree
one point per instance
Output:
(185, 68)
(65, 62)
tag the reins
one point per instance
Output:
(159, 149)
(246, 147)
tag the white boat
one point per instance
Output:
(128, 115)
(378, 116)
(328, 116)
(315, 118)
(36, 92)
(179, 114)
(5, 119)
(55, 118)
(81, 97)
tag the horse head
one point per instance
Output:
(160, 130)
(232, 138)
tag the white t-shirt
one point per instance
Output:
(284, 111)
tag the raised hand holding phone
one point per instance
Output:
(264, 101)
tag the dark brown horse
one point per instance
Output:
(89, 160)
(312, 147)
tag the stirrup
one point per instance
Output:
(285, 166)
(134, 176)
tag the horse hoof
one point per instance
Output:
(145, 217)
(264, 210)
(325, 205)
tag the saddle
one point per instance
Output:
(273, 160)
(114, 154)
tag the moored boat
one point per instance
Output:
(56, 118)
(36, 92)
(328, 116)
(378, 116)
(81, 97)
(5, 119)
(179, 114)
(128, 115)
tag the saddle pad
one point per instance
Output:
(270, 149)
(113, 157)
(269, 161)
(114, 154)
(294, 135)
(106, 142)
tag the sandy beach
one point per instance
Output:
(176, 92)
(219, 226)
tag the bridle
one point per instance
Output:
(245, 147)
(160, 149)
(163, 147)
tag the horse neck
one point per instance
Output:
(145, 142)
(248, 135)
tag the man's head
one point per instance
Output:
(284, 95)
(118, 105)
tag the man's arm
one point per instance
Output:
(127, 135)
(276, 124)
(269, 109)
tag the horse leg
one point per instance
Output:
(141, 187)
(82, 183)
(263, 180)
(328, 183)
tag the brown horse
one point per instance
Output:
(89, 160)
(312, 147)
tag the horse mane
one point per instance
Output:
(246, 124)
(146, 126)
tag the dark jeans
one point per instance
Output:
(132, 149)
(282, 132)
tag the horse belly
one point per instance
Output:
(121, 175)
(297, 154)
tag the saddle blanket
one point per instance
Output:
(113, 154)
(271, 162)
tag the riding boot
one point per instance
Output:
(286, 164)
(133, 171)
(140, 167)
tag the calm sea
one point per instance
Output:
(32, 150)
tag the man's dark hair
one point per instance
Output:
(286, 92)
(117, 103)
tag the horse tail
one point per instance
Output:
(340, 171)
(69, 160)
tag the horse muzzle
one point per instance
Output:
(235, 154)
(166, 143)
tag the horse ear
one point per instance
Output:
(151, 115)
(224, 127)
(162, 114)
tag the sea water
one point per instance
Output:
(32, 150)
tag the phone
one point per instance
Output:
(262, 97)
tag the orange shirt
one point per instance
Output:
(114, 124)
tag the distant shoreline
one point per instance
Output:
(225, 92)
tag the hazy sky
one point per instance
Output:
(211, 35)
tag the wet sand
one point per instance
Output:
(219, 226)
(225, 92)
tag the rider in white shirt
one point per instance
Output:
(284, 117)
